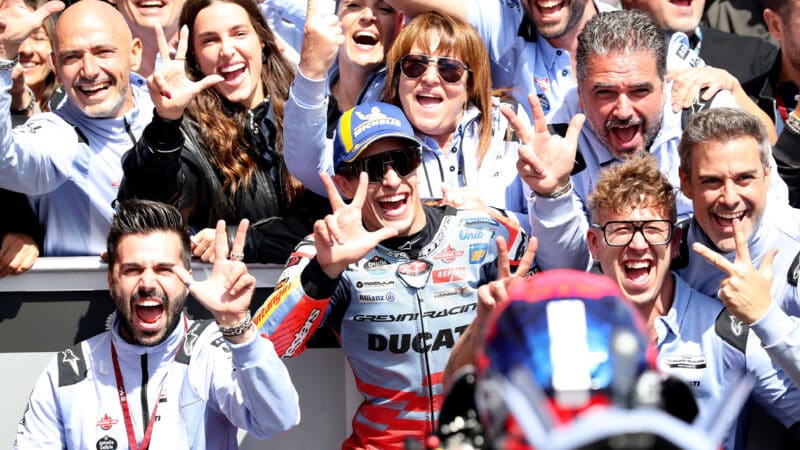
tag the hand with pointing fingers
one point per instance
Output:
(170, 88)
(340, 238)
(17, 22)
(746, 292)
(545, 161)
(227, 292)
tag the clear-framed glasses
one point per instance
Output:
(450, 70)
(619, 233)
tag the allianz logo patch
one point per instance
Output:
(388, 297)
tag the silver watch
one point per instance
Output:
(6, 65)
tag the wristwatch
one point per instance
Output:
(793, 123)
(6, 65)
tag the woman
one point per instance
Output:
(34, 78)
(438, 73)
(341, 65)
(213, 148)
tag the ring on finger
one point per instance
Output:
(188, 283)
(234, 256)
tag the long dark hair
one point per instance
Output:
(222, 123)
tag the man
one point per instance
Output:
(194, 382)
(531, 46)
(68, 161)
(394, 279)
(725, 171)
(753, 55)
(621, 68)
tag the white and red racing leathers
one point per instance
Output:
(396, 313)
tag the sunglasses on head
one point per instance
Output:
(450, 70)
(403, 161)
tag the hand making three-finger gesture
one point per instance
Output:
(170, 88)
(17, 22)
(746, 292)
(545, 160)
(228, 290)
(340, 238)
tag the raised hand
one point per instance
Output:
(170, 89)
(462, 198)
(322, 37)
(545, 160)
(340, 238)
(203, 244)
(746, 292)
(496, 292)
(688, 82)
(227, 292)
(17, 22)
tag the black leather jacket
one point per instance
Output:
(169, 164)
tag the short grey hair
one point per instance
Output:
(625, 31)
(722, 125)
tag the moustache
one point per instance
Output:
(620, 123)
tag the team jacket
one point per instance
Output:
(68, 164)
(396, 318)
(210, 388)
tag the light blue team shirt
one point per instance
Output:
(524, 65)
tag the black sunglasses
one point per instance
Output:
(403, 161)
(450, 70)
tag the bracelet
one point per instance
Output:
(238, 329)
(26, 110)
(793, 123)
(6, 65)
(558, 192)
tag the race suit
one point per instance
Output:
(203, 387)
(397, 314)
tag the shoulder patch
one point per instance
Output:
(732, 330)
(794, 271)
(185, 352)
(71, 365)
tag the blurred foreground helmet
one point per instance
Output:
(565, 364)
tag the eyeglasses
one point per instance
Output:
(619, 233)
(403, 161)
(450, 70)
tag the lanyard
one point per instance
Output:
(123, 400)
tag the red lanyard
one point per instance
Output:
(123, 400)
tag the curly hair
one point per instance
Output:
(222, 123)
(636, 182)
(458, 39)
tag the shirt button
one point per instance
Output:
(453, 150)
(558, 52)
(452, 168)
(564, 72)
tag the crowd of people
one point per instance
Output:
(412, 163)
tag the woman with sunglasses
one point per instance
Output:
(214, 146)
(438, 73)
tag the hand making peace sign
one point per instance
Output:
(746, 292)
(170, 89)
(545, 160)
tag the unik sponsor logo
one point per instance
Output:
(448, 275)
(477, 253)
(470, 234)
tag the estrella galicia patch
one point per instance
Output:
(794, 271)
(106, 443)
(732, 330)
